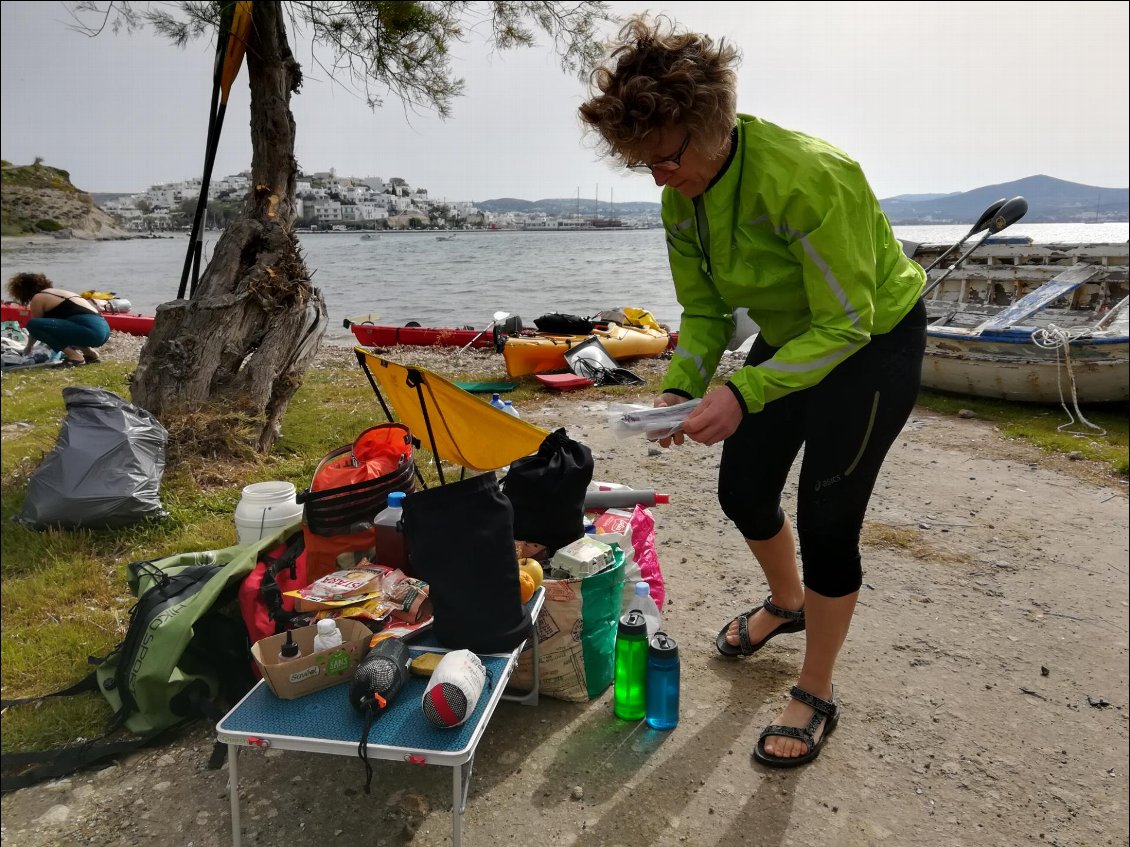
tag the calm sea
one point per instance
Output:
(401, 277)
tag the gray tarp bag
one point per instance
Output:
(105, 470)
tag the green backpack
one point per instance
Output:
(185, 655)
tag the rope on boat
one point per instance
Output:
(1053, 337)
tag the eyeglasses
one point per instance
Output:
(671, 164)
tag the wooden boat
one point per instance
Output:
(541, 353)
(126, 322)
(1033, 323)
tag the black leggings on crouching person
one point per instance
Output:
(846, 424)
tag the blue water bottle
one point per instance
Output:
(662, 682)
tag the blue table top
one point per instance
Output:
(327, 716)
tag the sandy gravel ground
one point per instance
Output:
(984, 688)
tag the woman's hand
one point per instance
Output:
(669, 400)
(716, 418)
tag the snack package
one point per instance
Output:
(374, 613)
(406, 596)
(340, 588)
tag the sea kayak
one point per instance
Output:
(541, 353)
(375, 335)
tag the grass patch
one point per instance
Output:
(64, 593)
(1040, 426)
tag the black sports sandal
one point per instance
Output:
(827, 711)
(745, 647)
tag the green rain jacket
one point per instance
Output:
(792, 231)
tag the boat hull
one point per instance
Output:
(119, 321)
(1009, 366)
(372, 335)
(544, 353)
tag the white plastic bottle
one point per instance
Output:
(496, 401)
(510, 409)
(329, 636)
(643, 602)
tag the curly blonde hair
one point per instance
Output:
(22, 287)
(658, 76)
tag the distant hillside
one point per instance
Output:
(1050, 200)
(567, 206)
(39, 199)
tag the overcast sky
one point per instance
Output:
(928, 96)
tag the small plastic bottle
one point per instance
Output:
(391, 543)
(289, 651)
(328, 637)
(643, 603)
(630, 668)
(510, 409)
(662, 682)
(496, 401)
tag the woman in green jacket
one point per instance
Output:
(787, 226)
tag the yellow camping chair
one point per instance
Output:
(452, 424)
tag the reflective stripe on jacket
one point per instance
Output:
(793, 232)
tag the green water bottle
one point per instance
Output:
(630, 681)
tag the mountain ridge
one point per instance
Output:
(1050, 200)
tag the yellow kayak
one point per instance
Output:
(532, 354)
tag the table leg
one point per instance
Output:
(456, 810)
(233, 792)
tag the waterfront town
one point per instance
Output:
(326, 201)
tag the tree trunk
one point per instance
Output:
(241, 344)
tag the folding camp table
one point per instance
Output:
(324, 722)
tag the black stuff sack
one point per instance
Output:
(105, 470)
(547, 491)
(562, 324)
(461, 542)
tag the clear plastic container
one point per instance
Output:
(641, 601)
(328, 637)
(496, 401)
(391, 543)
(510, 409)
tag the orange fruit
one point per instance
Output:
(527, 584)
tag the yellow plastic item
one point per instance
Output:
(424, 664)
(98, 295)
(459, 426)
(639, 317)
(535, 354)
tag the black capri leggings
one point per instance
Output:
(847, 423)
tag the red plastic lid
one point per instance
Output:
(662, 498)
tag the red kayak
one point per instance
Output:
(118, 321)
(372, 335)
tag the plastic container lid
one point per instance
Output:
(327, 626)
(642, 588)
(633, 623)
(396, 500)
(663, 646)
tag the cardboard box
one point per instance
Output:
(311, 671)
